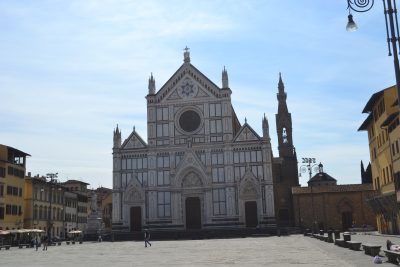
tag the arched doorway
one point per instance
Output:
(192, 192)
(249, 196)
(347, 220)
(193, 213)
(345, 208)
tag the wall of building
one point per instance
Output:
(12, 173)
(325, 205)
(383, 139)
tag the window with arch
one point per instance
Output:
(284, 135)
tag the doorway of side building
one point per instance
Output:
(250, 208)
(347, 220)
(193, 213)
(136, 219)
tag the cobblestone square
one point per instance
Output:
(262, 251)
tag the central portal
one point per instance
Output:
(251, 213)
(136, 219)
(193, 213)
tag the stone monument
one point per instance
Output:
(95, 221)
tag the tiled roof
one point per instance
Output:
(332, 188)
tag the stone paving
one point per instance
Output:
(261, 251)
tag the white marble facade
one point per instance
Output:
(200, 168)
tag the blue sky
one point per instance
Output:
(71, 70)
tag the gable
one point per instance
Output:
(190, 159)
(187, 83)
(134, 141)
(187, 89)
(246, 133)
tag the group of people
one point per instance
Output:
(37, 241)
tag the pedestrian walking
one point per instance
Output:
(45, 242)
(36, 242)
(146, 238)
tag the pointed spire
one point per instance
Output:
(134, 128)
(225, 81)
(281, 96)
(152, 85)
(117, 137)
(186, 55)
(245, 120)
(281, 86)
(265, 127)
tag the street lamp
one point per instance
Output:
(310, 166)
(392, 27)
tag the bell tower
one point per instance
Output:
(284, 124)
(285, 172)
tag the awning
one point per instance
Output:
(19, 231)
(385, 205)
(75, 232)
(36, 231)
(4, 232)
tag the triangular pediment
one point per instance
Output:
(134, 141)
(134, 191)
(246, 133)
(190, 159)
(190, 164)
(187, 83)
(249, 186)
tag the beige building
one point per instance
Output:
(80, 189)
(44, 205)
(71, 211)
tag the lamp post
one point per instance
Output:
(392, 30)
(309, 165)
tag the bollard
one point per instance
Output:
(307, 232)
(330, 236)
(337, 234)
(346, 236)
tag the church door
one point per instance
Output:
(193, 213)
(347, 220)
(251, 213)
(136, 219)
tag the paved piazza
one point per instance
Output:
(262, 251)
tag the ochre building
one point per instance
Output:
(382, 125)
(12, 173)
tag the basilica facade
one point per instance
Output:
(199, 167)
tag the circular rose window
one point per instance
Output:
(189, 121)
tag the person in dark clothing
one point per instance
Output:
(146, 238)
(36, 242)
(45, 242)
